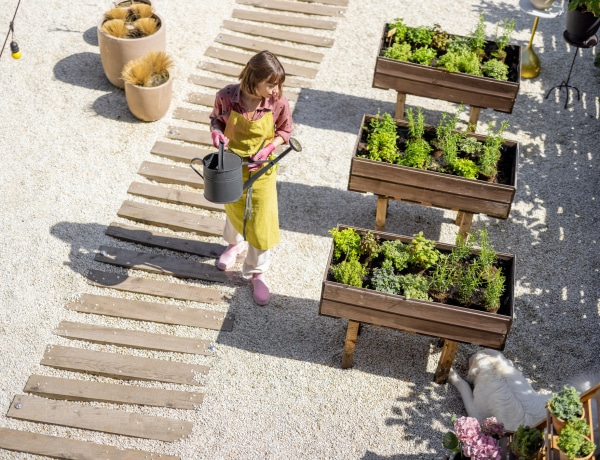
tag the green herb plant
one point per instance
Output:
(574, 439)
(382, 138)
(566, 404)
(527, 442)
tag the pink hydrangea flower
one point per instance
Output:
(480, 442)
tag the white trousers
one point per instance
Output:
(256, 261)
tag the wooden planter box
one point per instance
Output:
(436, 83)
(433, 319)
(435, 188)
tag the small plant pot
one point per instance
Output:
(563, 456)
(116, 52)
(149, 103)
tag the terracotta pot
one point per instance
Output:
(563, 456)
(149, 103)
(116, 52)
(559, 423)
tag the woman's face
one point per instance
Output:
(265, 89)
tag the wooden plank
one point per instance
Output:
(278, 34)
(207, 100)
(170, 218)
(256, 46)
(328, 2)
(86, 390)
(295, 7)
(197, 116)
(234, 71)
(242, 58)
(170, 195)
(158, 263)
(211, 82)
(283, 20)
(72, 449)
(133, 339)
(152, 311)
(196, 136)
(381, 213)
(176, 152)
(124, 367)
(119, 422)
(169, 174)
(127, 283)
(163, 240)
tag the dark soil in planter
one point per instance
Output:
(505, 165)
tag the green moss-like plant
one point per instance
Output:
(495, 69)
(527, 442)
(422, 252)
(346, 244)
(399, 51)
(465, 168)
(396, 252)
(419, 36)
(350, 272)
(573, 440)
(423, 55)
(385, 279)
(566, 404)
(414, 287)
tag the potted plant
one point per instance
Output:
(526, 442)
(457, 292)
(574, 442)
(427, 61)
(583, 20)
(475, 441)
(148, 85)
(437, 165)
(564, 406)
(128, 32)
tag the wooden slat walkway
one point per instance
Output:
(75, 415)
(175, 196)
(278, 34)
(132, 339)
(256, 46)
(283, 20)
(170, 174)
(296, 7)
(119, 366)
(58, 447)
(87, 390)
(176, 152)
(171, 218)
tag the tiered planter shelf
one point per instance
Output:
(455, 323)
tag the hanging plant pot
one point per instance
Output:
(116, 52)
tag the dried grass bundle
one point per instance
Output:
(141, 10)
(116, 13)
(144, 27)
(116, 28)
(149, 70)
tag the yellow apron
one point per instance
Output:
(262, 224)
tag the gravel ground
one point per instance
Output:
(70, 150)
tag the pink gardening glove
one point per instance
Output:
(261, 155)
(218, 136)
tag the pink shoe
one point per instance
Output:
(261, 290)
(229, 256)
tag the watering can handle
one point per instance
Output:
(294, 145)
(220, 158)
(192, 166)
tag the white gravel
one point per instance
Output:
(70, 150)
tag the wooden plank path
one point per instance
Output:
(87, 390)
(65, 401)
(75, 415)
(152, 311)
(119, 366)
(59, 447)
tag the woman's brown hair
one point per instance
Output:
(262, 66)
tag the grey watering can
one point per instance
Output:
(222, 173)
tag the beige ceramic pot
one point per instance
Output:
(542, 4)
(149, 103)
(116, 52)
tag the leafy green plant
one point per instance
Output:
(385, 279)
(465, 168)
(492, 150)
(527, 442)
(422, 252)
(399, 51)
(419, 36)
(400, 29)
(467, 283)
(369, 247)
(495, 69)
(469, 145)
(346, 244)
(443, 275)
(414, 287)
(423, 55)
(477, 37)
(593, 6)
(502, 39)
(396, 252)
(566, 404)
(417, 154)
(573, 440)
(382, 138)
(462, 60)
(416, 125)
(439, 41)
(350, 272)
(494, 287)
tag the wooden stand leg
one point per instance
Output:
(473, 117)
(445, 363)
(464, 220)
(382, 206)
(351, 336)
(400, 102)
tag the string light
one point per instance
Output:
(14, 46)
